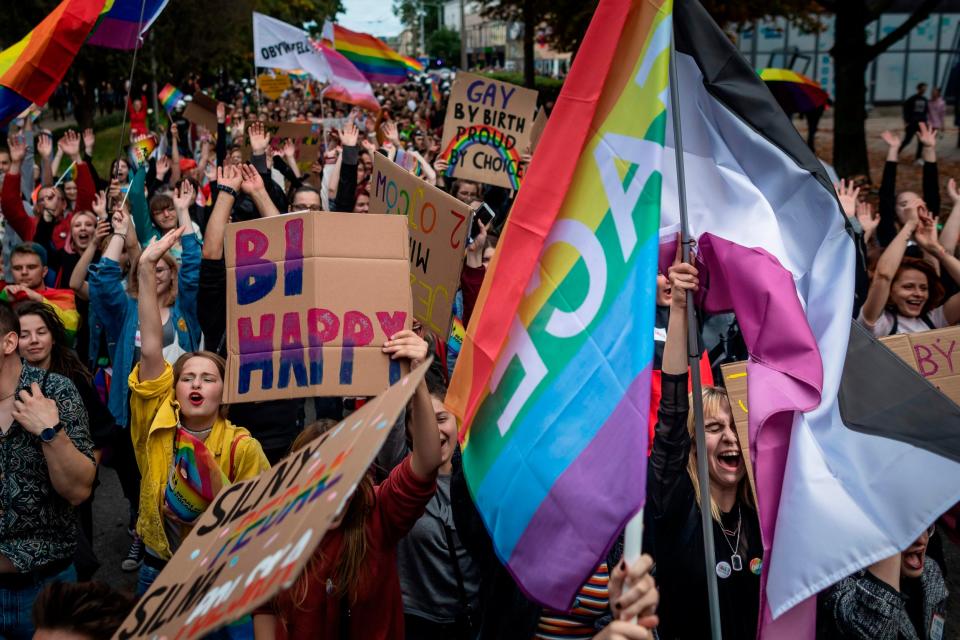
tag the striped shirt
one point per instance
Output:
(591, 604)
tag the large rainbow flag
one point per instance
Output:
(31, 69)
(61, 301)
(553, 380)
(124, 21)
(372, 56)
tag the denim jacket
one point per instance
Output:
(118, 313)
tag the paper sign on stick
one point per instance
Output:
(438, 236)
(199, 115)
(735, 381)
(488, 126)
(273, 86)
(257, 536)
(311, 298)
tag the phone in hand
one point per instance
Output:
(483, 215)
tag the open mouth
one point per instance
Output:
(196, 398)
(729, 460)
(913, 558)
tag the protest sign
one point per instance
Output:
(311, 298)
(273, 86)
(257, 536)
(900, 345)
(306, 137)
(487, 128)
(735, 381)
(438, 237)
(197, 114)
(936, 355)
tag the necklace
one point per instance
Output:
(736, 562)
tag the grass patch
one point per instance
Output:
(105, 149)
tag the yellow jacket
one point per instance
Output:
(153, 424)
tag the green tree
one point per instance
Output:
(444, 44)
(409, 12)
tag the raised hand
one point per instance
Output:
(230, 176)
(89, 138)
(892, 139)
(867, 219)
(389, 130)
(259, 138)
(221, 112)
(847, 194)
(210, 172)
(120, 221)
(927, 135)
(18, 148)
(70, 144)
(154, 251)
(100, 205)
(406, 344)
(252, 182)
(952, 191)
(288, 149)
(163, 166)
(184, 196)
(926, 234)
(236, 128)
(683, 277)
(103, 231)
(114, 190)
(45, 145)
(349, 135)
(368, 146)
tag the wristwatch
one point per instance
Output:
(48, 434)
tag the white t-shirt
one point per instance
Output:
(904, 324)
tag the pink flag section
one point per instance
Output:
(347, 84)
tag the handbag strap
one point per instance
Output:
(452, 550)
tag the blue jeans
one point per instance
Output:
(16, 605)
(241, 629)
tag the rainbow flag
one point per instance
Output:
(372, 56)
(195, 479)
(61, 301)
(31, 69)
(124, 22)
(141, 150)
(170, 96)
(553, 380)
(434, 91)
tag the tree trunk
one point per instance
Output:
(850, 68)
(529, 29)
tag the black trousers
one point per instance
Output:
(913, 128)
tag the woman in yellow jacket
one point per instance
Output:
(173, 409)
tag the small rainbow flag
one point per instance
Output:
(372, 56)
(124, 21)
(553, 379)
(434, 91)
(195, 479)
(170, 96)
(141, 150)
(31, 69)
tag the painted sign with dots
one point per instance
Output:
(735, 381)
(256, 537)
(311, 298)
(487, 128)
(438, 224)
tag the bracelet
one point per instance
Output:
(228, 190)
(122, 235)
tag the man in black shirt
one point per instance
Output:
(914, 112)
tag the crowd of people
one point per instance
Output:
(113, 323)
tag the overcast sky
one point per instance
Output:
(370, 16)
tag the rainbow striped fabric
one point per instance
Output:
(31, 69)
(553, 379)
(434, 91)
(372, 56)
(124, 21)
(61, 301)
(195, 479)
(170, 96)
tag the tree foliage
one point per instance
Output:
(408, 11)
(444, 44)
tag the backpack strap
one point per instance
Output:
(896, 324)
(927, 321)
(233, 454)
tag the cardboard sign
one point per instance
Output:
(735, 381)
(257, 536)
(273, 86)
(198, 115)
(488, 126)
(439, 224)
(935, 354)
(307, 138)
(311, 298)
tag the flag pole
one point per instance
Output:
(693, 357)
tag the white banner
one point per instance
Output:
(278, 45)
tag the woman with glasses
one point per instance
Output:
(903, 596)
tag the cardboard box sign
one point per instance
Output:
(934, 354)
(439, 224)
(487, 128)
(259, 534)
(735, 381)
(311, 298)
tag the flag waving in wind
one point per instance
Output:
(837, 490)
(553, 379)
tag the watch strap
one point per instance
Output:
(48, 434)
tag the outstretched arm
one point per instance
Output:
(151, 327)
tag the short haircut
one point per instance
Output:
(160, 202)
(304, 189)
(9, 320)
(30, 249)
(90, 609)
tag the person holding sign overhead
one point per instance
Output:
(674, 503)
(351, 586)
(185, 448)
